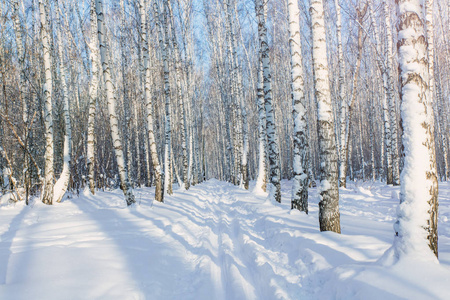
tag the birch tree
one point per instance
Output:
(386, 133)
(111, 98)
(275, 189)
(343, 151)
(63, 182)
(347, 104)
(163, 42)
(181, 96)
(391, 101)
(47, 195)
(300, 164)
(22, 86)
(93, 94)
(260, 185)
(159, 191)
(329, 217)
(416, 227)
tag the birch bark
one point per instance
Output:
(329, 217)
(47, 194)
(159, 191)
(274, 161)
(416, 228)
(300, 161)
(391, 100)
(111, 98)
(93, 94)
(62, 183)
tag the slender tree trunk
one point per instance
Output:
(342, 101)
(62, 183)
(329, 217)
(432, 174)
(181, 99)
(274, 160)
(167, 126)
(137, 145)
(159, 191)
(47, 195)
(444, 126)
(386, 132)
(126, 130)
(109, 86)
(93, 94)
(22, 85)
(391, 101)
(347, 106)
(300, 162)
(261, 178)
(241, 111)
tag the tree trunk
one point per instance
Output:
(261, 178)
(181, 99)
(63, 182)
(110, 95)
(47, 194)
(329, 217)
(274, 160)
(159, 191)
(416, 227)
(93, 94)
(342, 101)
(300, 161)
(391, 101)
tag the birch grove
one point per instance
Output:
(269, 96)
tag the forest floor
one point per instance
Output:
(215, 241)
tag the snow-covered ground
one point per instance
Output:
(214, 241)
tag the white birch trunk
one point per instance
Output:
(416, 228)
(443, 126)
(182, 95)
(342, 101)
(242, 113)
(163, 40)
(111, 98)
(300, 161)
(93, 94)
(21, 59)
(386, 132)
(126, 123)
(22, 85)
(347, 106)
(62, 183)
(137, 145)
(159, 191)
(391, 100)
(167, 125)
(47, 194)
(260, 186)
(432, 174)
(329, 217)
(275, 189)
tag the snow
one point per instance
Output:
(215, 241)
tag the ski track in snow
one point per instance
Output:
(215, 241)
